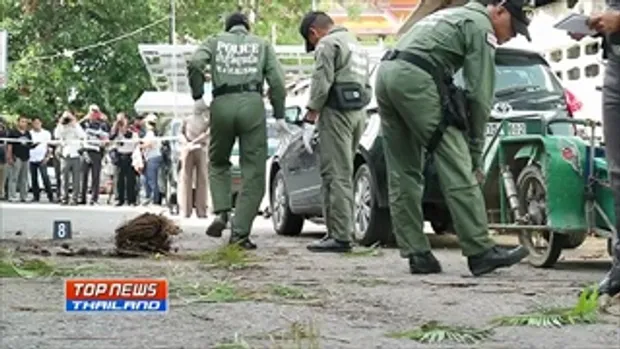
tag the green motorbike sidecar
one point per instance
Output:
(553, 190)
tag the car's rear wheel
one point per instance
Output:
(285, 222)
(372, 223)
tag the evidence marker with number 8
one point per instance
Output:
(61, 230)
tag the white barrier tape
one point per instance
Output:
(89, 141)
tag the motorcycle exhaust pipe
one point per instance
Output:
(511, 193)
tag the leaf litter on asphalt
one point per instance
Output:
(435, 332)
(585, 311)
(360, 251)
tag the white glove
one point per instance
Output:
(200, 108)
(282, 128)
(308, 134)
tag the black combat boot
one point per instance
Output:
(218, 225)
(328, 244)
(494, 258)
(243, 242)
(611, 283)
(424, 263)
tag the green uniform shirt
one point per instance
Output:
(238, 57)
(461, 37)
(338, 57)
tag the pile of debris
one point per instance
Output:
(146, 234)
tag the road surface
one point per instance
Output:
(351, 301)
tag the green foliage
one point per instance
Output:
(112, 76)
(354, 12)
(584, 312)
(434, 332)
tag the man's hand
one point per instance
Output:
(607, 22)
(308, 134)
(282, 128)
(200, 108)
(312, 116)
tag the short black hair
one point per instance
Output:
(36, 118)
(237, 18)
(23, 117)
(318, 19)
(322, 20)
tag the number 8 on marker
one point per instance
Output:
(62, 230)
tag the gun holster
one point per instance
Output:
(452, 98)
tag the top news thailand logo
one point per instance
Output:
(96, 295)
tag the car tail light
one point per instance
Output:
(573, 104)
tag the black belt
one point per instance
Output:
(438, 77)
(228, 89)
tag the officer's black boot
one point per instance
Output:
(243, 242)
(218, 225)
(424, 263)
(611, 283)
(494, 258)
(328, 244)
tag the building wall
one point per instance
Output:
(376, 17)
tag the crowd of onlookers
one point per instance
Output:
(79, 152)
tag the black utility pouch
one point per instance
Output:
(347, 96)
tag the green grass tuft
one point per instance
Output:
(230, 257)
(12, 267)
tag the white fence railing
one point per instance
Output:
(165, 62)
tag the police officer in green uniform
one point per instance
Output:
(238, 62)
(413, 91)
(338, 94)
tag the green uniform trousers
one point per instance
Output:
(242, 116)
(410, 112)
(339, 135)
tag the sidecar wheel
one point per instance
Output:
(545, 247)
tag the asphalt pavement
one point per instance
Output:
(354, 301)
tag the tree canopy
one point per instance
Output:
(55, 63)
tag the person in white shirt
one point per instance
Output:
(152, 158)
(39, 157)
(71, 135)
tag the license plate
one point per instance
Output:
(514, 129)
